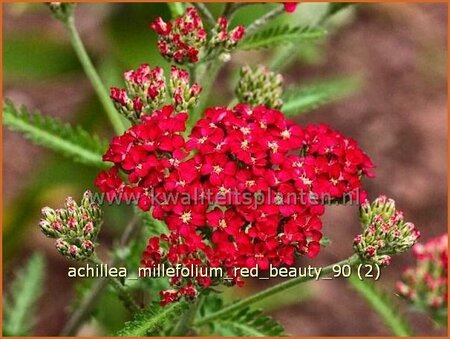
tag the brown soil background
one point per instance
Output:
(399, 119)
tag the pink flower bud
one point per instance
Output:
(290, 7)
(160, 26)
(237, 34)
(119, 95)
(89, 228)
(73, 250)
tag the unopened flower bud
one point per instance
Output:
(260, 87)
(74, 228)
(425, 284)
(384, 232)
(223, 39)
(181, 40)
(49, 214)
(184, 96)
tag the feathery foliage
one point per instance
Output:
(281, 34)
(73, 142)
(248, 323)
(153, 227)
(20, 303)
(152, 320)
(383, 305)
(306, 98)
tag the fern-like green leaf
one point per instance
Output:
(280, 35)
(248, 323)
(306, 98)
(383, 305)
(152, 320)
(20, 303)
(73, 142)
(153, 227)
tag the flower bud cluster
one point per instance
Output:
(385, 232)
(260, 87)
(425, 285)
(146, 90)
(182, 40)
(221, 38)
(74, 227)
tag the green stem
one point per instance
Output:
(123, 293)
(259, 23)
(271, 291)
(383, 306)
(184, 325)
(91, 73)
(89, 300)
(204, 11)
(208, 79)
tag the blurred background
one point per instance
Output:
(398, 116)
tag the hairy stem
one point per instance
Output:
(87, 303)
(204, 11)
(381, 305)
(94, 78)
(271, 291)
(262, 21)
(207, 81)
(184, 325)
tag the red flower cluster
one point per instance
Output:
(425, 285)
(237, 193)
(183, 39)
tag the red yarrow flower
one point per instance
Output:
(248, 174)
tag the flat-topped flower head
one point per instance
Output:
(385, 232)
(231, 190)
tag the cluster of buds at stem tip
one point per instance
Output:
(224, 40)
(74, 227)
(184, 40)
(146, 90)
(385, 232)
(425, 285)
(260, 87)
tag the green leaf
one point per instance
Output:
(152, 320)
(383, 305)
(19, 306)
(153, 227)
(248, 323)
(306, 98)
(73, 142)
(281, 35)
(176, 8)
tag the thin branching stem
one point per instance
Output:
(184, 325)
(262, 21)
(93, 76)
(204, 11)
(87, 303)
(271, 291)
